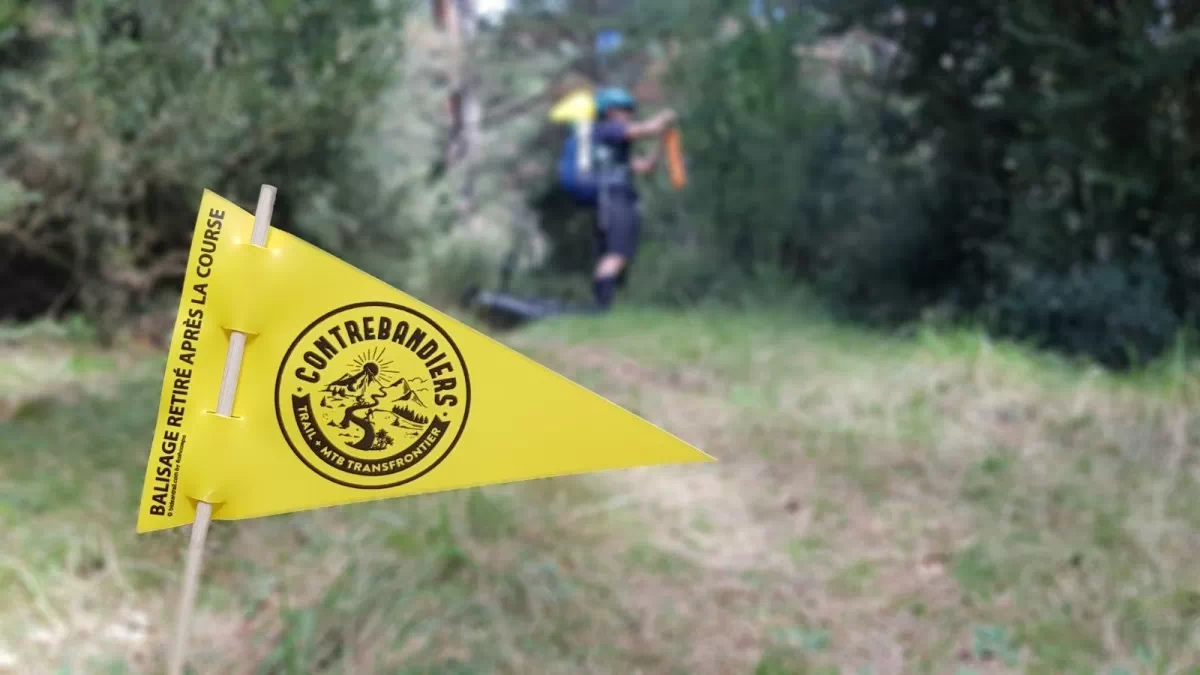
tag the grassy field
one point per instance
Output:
(937, 504)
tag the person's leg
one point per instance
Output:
(601, 294)
(604, 282)
(629, 243)
(620, 244)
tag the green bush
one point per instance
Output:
(119, 113)
(1117, 314)
(1058, 140)
(679, 276)
(787, 172)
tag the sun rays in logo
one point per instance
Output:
(376, 368)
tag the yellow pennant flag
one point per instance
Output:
(351, 390)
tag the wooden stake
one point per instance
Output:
(229, 380)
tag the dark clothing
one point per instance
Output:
(618, 220)
(613, 152)
(616, 231)
(611, 134)
(617, 213)
(618, 224)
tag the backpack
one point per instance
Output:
(579, 181)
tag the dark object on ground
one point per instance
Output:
(502, 310)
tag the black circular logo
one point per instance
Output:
(372, 395)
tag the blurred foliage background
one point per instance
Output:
(922, 495)
(1025, 166)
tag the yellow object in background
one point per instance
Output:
(575, 108)
(351, 390)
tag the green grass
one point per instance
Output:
(933, 504)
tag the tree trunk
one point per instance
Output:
(458, 19)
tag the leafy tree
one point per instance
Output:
(1063, 145)
(118, 113)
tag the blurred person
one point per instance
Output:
(617, 226)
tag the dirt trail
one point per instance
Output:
(784, 549)
(689, 404)
(708, 515)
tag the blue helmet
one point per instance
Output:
(614, 97)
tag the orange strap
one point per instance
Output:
(675, 166)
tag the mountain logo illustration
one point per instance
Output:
(372, 395)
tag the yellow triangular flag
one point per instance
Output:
(575, 108)
(351, 390)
